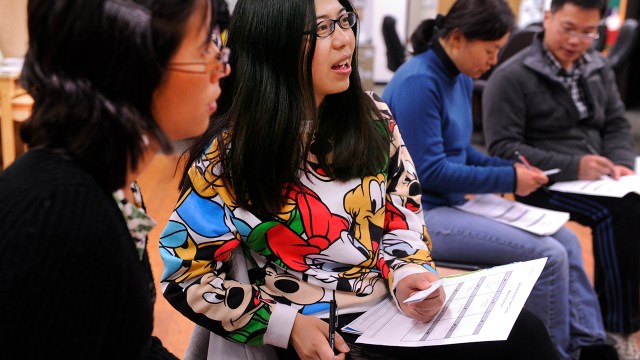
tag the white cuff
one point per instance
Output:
(405, 271)
(280, 325)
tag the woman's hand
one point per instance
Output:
(310, 338)
(426, 309)
(528, 181)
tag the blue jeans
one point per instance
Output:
(562, 298)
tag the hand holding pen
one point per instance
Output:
(310, 339)
(594, 166)
(597, 164)
(528, 178)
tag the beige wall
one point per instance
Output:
(13, 27)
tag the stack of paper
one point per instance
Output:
(480, 306)
(530, 218)
(606, 186)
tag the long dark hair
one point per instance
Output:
(92, 67)
(484, 20)
(267, 111)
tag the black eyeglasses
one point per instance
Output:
(216, 66)
(325, 27)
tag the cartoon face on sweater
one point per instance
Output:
(230, 302)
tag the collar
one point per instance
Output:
(449, 66)
(135, 215)
(578, 65)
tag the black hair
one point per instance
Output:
(585, 4)
(484, 20)
(267, 115)
(224, 15)
(92, 67)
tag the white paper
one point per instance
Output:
(606, 186)
(480, 306)
(530, 218)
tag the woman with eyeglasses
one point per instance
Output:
(302, 193)
(114, 82)
(430, 96)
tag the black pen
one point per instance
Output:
(333, 318)
(591, 149)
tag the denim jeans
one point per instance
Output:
(616, 250)
(562, 298)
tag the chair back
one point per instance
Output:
(519, 40)
(601, 41)
(395, 48)
(622, 48)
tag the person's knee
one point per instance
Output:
(556, 254)
(531, 337)
(569, 240)
(628, 208)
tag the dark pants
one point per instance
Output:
(615, 228)
(528, 339)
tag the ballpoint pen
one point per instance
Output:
(591, 149)
(333, 318)
(523, 160)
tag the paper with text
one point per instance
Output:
(480, 306)
(603, 187)
(530, 218)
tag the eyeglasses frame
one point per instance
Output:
(332, 25)
(218, 65)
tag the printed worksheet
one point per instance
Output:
(481, 306)
(529, 218)
(606, 186)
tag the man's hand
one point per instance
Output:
(593, 167)
(619, 171)
(426, 309)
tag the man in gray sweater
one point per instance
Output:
(557, 104)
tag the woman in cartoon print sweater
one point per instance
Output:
(307, 176)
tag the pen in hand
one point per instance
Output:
(523, 160)
(333, 318)
(591, 149)
(528, 166)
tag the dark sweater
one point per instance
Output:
(72, 284)
(526, 108)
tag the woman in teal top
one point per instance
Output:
(430, 97)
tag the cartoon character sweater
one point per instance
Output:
(351, 241)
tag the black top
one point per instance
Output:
(72, 284)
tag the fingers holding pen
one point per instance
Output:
(592, 167)
(310, 339)
(529, 180)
